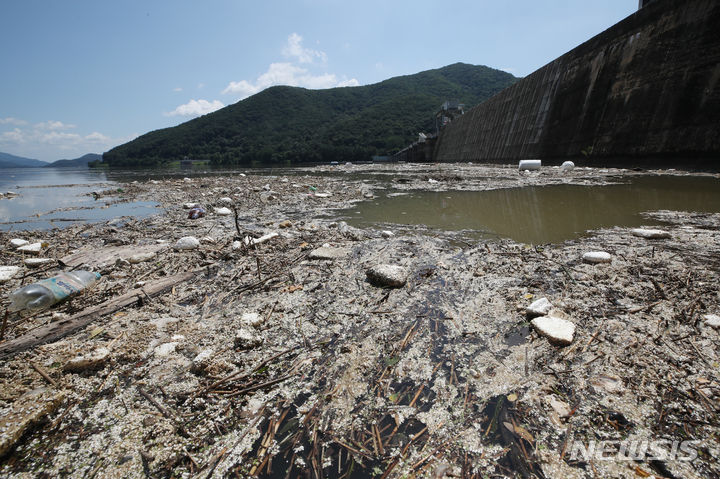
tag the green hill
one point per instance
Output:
(289, 124)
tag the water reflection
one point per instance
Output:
(43, 191)
(547, 214)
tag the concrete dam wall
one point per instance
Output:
(648, 87)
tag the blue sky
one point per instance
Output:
(81, 76)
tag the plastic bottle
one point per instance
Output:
(45, 293)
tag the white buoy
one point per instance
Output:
(567, 166)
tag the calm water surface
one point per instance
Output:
(543, 214)
(56, 197)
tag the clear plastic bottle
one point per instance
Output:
(45, 293)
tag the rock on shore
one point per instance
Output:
(387, 276)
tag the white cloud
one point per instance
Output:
(12, 121)
(52, 140)
(286, 74)
(291, 73)
(294, 49)
(350, 82)
(58, 138)
(14, 136)
(97, 137)
(196, 108)
(177, 89)
(54, 126)
(241, 88)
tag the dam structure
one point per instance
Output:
(646, 89)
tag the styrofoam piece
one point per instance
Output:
(530, 165)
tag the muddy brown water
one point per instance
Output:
(540, 214)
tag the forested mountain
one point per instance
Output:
(289, 124)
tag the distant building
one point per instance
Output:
(449, 110)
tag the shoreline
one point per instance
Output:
(272, 356)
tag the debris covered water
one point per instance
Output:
(271, 348)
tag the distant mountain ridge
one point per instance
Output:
(11, 161)
(289, 124)
(77, 162)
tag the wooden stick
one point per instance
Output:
(417, 394)
(242, 374)
(408, 335)
(260, 386)
(381, 450)
(59, 419)
(4, 325)
(647, 307)
(349, 448)
(389, 469)
(597, 331)
(437, 449)
(44, 374)
(154, 402)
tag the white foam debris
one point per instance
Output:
(253, 319)
(712, 320)
(33, 248)
(596, 257)
(37, 262)
(18, 242)
(246, 339)
(166, 349)
(328, 253)
(557, 330)
(541, 307)
(262, 239)
(187, 243)
(8, 272)
(650, 233)
(87, 361)
(141, 257)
